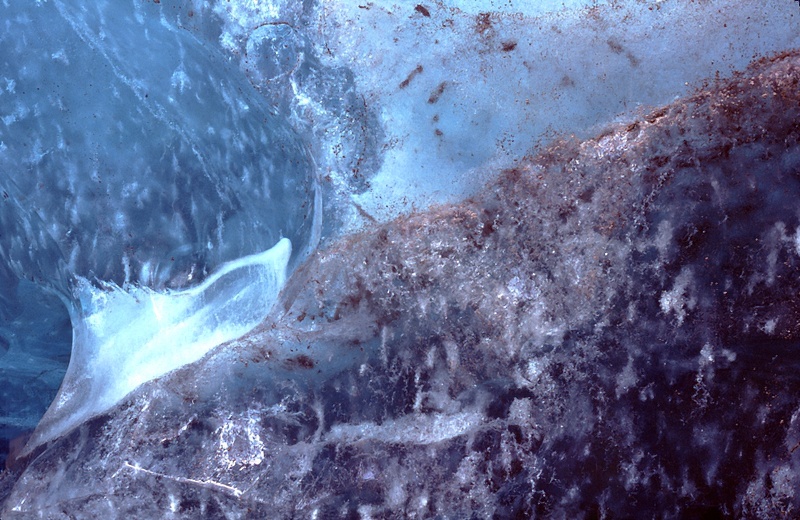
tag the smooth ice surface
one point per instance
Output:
(123, 337)
(133, 152)
(35, 343)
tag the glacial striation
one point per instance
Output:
(608, 330)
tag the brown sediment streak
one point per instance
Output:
(761, 103)
(508, 46)
(411, 76)
(437, 93)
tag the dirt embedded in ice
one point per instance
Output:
(509, 355)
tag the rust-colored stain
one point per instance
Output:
(437, 93)
(301, 361)
(411, 76)
(509, 46)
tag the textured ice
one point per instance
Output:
(608, 329)
(462, 85)
(508, 356)
(124, 337)
(131, 152)
(408, 105)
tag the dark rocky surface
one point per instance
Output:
(610, 331)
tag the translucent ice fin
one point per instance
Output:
(123, 338)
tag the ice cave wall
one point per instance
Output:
(395, 95)
(384, 95)
(458, 85)
(609, 330)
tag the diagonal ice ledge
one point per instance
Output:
(124, 337)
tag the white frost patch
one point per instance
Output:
(410, 429)
(19, 113)
(769, 326)
(678, 299)
(706, 355)
(240, 443)
(797, 240)
(520, 411)
(664, 238)
(125, 337)
(60, 56)
(705, 375)
(534, 369)
(516, 289)
(180, 79)
(243, 16)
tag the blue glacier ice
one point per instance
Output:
(134, 149)
(132, 153)
(123, 338)
(458, 258)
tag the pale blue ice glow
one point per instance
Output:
(134, 153)
(124, 337)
